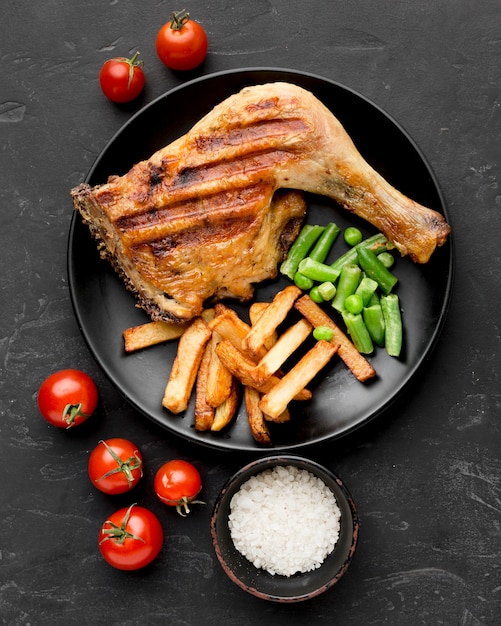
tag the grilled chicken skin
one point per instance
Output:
(201, 218)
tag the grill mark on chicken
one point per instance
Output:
(156, 175)
(197, 219)
(210, 212)
(210, 234)
(227, 173)
(246, 137)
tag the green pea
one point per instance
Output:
(302, 281)
(323, 333)
(353, 236)
(315, 295)
(386, 259)
(354, 303)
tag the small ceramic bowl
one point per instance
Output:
(278, 588)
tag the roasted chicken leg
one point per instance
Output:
(201, 217)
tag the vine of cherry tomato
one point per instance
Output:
(131, 538)
(177, 483)
(67, 398)
(115, 466)
(182, 43)
(122, 79)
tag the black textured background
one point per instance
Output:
(425, 476)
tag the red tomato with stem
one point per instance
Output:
(182, 43)
(122, 79)
(131, 538)
(115, 466)
(67, 398)
(178, 483)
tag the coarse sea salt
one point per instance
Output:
(284, 520)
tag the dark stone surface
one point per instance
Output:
(425, 475)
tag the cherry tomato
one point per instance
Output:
(122, 79)
(115, 466)
(177, 483)
(182, 43)
(67, 398)
(131, 538)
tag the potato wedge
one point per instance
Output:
(225, 412)
(358, 364)
(270, 319)
(242, 368)
(219, 378)
(204, 412)
(257, 424)
(276, 400)
(185, 367)
(151, 333)
(285, 345)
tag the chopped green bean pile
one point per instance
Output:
(358, 285)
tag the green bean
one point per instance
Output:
(353, 236)
(354, 303)
(374, 321)
(320, 272)
(325, 242)
(348, 282)
(300, 248)
(327, 291)
(373, 267)
(378, 243)
(302, 281)
(323, 333)
(315, 295)
(390, 305)
(358, 332)
(366, 289)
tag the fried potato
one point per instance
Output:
(208, 315)
(226, 411)
(256, 309)
(276, 400)
(185, 367)
(151, 333)
(219, 378)
(204, 412)
(242, 368)
(231, 327)
(257, 424)
(285, 345)
(270, 319)
(358, 364)
(278, 419)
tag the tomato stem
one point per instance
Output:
(182, 506)
(71, 412)
(126, 467)
(133, 59)
(120, 533)
(132, 63)
(179, 19)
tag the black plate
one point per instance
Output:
(104, 308)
